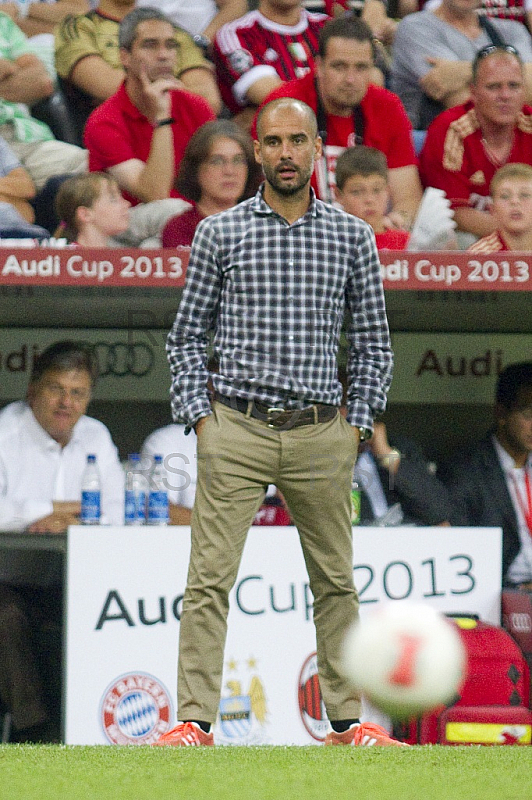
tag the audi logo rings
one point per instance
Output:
(120, 359)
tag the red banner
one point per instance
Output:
(401, 270)
(77, 266)
(457, 271)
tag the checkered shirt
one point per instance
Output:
(274, 294)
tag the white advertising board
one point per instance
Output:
(125, 588)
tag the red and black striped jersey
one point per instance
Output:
(253, 47)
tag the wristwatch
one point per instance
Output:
(203, 42)
(364, 434)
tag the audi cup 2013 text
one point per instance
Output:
(99, 270)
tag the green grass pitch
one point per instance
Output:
(56, 772)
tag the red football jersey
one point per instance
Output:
(386, 127)
(454, 157)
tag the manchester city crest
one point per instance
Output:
(243, 707)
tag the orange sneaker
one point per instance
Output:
(186, 734)
(364, 734)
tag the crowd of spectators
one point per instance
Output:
(121, 86)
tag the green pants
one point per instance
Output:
(312, 466)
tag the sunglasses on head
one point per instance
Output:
(489, 49)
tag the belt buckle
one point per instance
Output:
(273, 410)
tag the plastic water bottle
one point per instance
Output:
(90, 493)
(136, 492)
(355, 501)
(158, 513)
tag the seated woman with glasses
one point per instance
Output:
(217, 171)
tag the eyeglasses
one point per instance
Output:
(222, 161)
(57, 391)
(489, 49)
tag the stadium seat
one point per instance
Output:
(55, 113)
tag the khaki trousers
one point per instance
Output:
(312, 466)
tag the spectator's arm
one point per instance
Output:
(43, 17)
(228, 10)
(479, 223)
(154, 179)
(17, 184)
(12, 10)
(17, 188)
(28, 83)
(202, 81)
(406, 192)
(259, 91)
(447, 80)
(96, 77)
(180, 515)
(407, 7)
(375, 14)
(63, 515)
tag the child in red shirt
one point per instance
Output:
(511, 192)
(362, 190)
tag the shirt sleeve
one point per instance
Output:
(400, 151)
(237, 68)
(14, 43)
(370, 357)
(187, 341)
(108, 141)
(76, 38)
(8, 160)
(416, 41)
(189, 55)
(433, 173)
(16, 515)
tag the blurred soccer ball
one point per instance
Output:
(406, 658)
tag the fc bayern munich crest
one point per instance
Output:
(311, 705)
(135, 709)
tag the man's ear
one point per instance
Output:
(256, 149)
(124, 57)
(30, 394)
(83, 214)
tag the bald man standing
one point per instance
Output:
(272, 277)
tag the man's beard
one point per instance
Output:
(274, 179)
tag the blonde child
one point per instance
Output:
(511, 193)
(362, 190)
(91, 209)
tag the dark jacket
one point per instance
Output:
(480, 496)
(423, 497)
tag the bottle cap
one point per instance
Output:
(91, 458)
(158, 459)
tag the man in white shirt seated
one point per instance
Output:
(44, 443)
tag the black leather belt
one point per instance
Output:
(280, 418)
